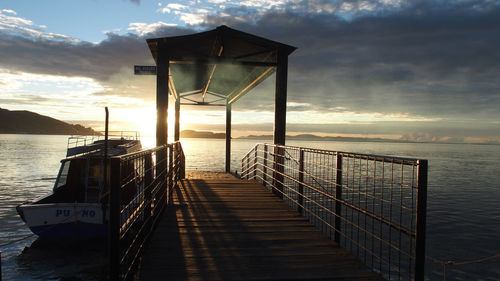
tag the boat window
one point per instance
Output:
(94, 180)
(63, 174)
(95, 173)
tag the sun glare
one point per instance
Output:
(143, 120)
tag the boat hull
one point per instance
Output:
(65, 220)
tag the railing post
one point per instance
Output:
(183, 165)
(148, 180)
(161, 167)
(175, 160)
(228, 137)
(182, 160)
(338, 198)
(242, 167)
(248, 168)
(170, 174)
(255, 163)
(114, 219)
(0, 265)
(179, 162)
(279, 162)
(300, 193)
(264, 169)
(421, 220)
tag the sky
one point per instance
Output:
(413, 70)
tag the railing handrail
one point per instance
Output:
(396, 159)
(134, 154)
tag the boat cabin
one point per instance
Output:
(81, 175)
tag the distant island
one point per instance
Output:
(311, 137)
(27, 122)
(202, 134)
(305, 137)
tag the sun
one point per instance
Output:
(143, 120)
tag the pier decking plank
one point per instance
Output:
(223, 228)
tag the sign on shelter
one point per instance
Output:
(144, 70)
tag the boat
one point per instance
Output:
(77, 206)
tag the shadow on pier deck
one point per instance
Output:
(224, 228)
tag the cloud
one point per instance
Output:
(11, 24)
(190, 15)
(82, 59)
(424, 60)
(7, 11)
(172, 6)
(191, 18)
(264, 3)
(145, 28)
(177, 6)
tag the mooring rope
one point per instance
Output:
(446, 263)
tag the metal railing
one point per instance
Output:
(141, 186)
(373, 206)
(83, 140)
(79, 145)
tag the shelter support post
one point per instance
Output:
(280, 117)
(338, 199)
(162, 101)
(177, 119)
(280, 98)
(228, 138)
(162, 72)
(421, 220)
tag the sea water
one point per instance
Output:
(463, 210)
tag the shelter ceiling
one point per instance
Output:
(223, 62)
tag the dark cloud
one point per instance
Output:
(28, 100)
(110, 62)
(424, 59)
(98, 61)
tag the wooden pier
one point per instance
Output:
(224, 228)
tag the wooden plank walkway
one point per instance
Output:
(223, 228)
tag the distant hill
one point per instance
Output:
(27, 122)
(310, 137)
(205, 135)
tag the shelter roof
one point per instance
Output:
(223, 63)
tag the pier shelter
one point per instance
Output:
(217, 68)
